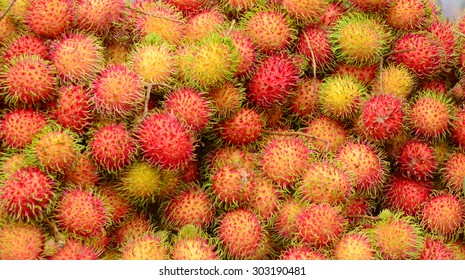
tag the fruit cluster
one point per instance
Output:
(231, 129)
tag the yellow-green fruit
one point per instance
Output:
(354, 246)
(395, 79)
(155, 63)
(141, 182)
(149, 247)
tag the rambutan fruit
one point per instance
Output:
(329, 134)
(19, 127)
(28, 80)
(416, 160)
(165, 141)
(73, 109)
(364, 74)
(324, 182)
(269, 30)
(50, 18)
(340, 96)
(457, 130)
(374, 6)
(190, 206)
(435, 248)
(27, 44)
(27, 193)
(284, 223)
(155, 62)
(191, 107)
(444, 214)
(8, 29)
(112, 147)
(191, 243)
(444, 32)
(395, 79)
(203, 24)
(11, 163)
(244, 127)
(54, 148)
(81, 211)
(437, 85)
(307, 11)
(301, 253)
(453, 171)
(273, 80)
(98, 16)
(265, 199)
(167, 21)
(408, 15)
(319, 225)
(247, 55)
(133, 227)
(430, 114)
(354, 246)
(364, 164)
(232, 186)
(77, 57)
(152, 246)
(396, 237)
(419, 52)
(240, 233)
(303, 100)
(407, 195)
(117, 91)
(235, 156)
(240, 6)
(360, 39)
(118, 205)
(382, 117)
(226, 99)
(21, 241)
(285, 159)
(141, 183)
(356, 208)
(82, 172)
(75, 249)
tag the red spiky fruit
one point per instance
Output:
(82, 212)
(82, 172)
(202, 24)
(419, 52)
(303, 101)
(372, 5)
(407, 195)
(270, 31)
(285, 159)
(12, 163)
(453, 171)
(396, 238)
(444, 32)
(27, 193)
(307, 10)
(226, 99)
(244, 127)
(364, 74)
(132, 228)
(319, 225)
(382, 117)
(364, 164)
(416, 160)
(77, 57)
(357, 207)
(324, 182)
(354, 246)
(75, 249)
(334, 11)
(247, 55)
(118, 205)
(21, 241)
(284, 222)
(301, 253)
(430, 115)
(98, 16)
(28, 44)
(436, 249)
(233, 185)
(437, 85)
(189, 6)
(329, 134)
(112, 147)
(50, 18)
(149, 247)
(192, 206)
(458, 128)
(73, 109)
(19, 126)
(408, 15)
(273, 80)
(189, 106)
(240, 233)
(314, 43)
(118, 91)
(265, 199)
(28, 80)
(192, 244)
(165, 141)
(444, 215)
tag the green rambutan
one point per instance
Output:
(19, 127)
(395, 79)
(27, 193)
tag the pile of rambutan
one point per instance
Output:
(224, 130)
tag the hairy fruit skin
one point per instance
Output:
(407, 195)
(20, 241)
(444, 214)
(416, 160)
(354, 246)
(245, 127)
(50, 18)
(19, 127)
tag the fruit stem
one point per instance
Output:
(297, 133)
(59, 238)
(233, 22)
(152, 15)
(147, 98)
(7, 9)
(307, 40)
